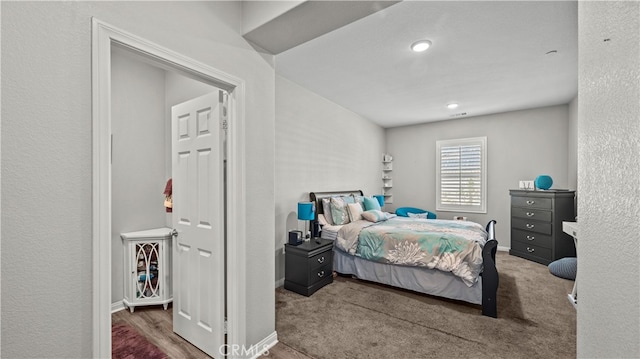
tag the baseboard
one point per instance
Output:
(503, 249)
(117, 306)
(262, 347)
(280, 282)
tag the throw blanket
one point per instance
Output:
(450, 246)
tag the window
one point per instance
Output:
(461, 177)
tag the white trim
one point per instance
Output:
(279, 282)
(101, 189)
(104, 37)
(264, 345)
(503, 249)
(117, 306)
(236, 219)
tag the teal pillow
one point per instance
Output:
(404, 212)
(371, 203)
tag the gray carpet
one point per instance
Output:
(355, 319)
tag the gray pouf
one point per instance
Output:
(564, 268)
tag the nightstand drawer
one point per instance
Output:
(318, 274)
(536, 239)
(531, 202)
(531, 226)
(531, 213)
(320, 259)
(530, 250)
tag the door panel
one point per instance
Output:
(198, 314)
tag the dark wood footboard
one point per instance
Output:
(490, 273)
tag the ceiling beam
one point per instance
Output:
(308, 20)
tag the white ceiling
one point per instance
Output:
(489, 57)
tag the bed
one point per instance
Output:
(419, 277)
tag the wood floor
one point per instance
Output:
(156, 324)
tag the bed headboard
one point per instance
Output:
(316, 197)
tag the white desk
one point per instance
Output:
(571, 228)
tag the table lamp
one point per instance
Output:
(306, 212)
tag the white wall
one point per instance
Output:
(257, 13)
(142, 96)
(608, 172)
(320, 146)
(138, 163)
(572, 146)
(520, 146)
(47, 160)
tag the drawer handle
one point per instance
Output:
(530, 214)
(529, 225)
(530, 238)
(530, 202)
(321, 260)
(321, 274)
(531, 250)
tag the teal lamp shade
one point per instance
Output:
(306, 211)
(380, 199)
(543, 182)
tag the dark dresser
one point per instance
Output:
(536, 224)
(308, 266)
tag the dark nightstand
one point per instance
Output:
(308, 266)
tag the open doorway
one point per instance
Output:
(142, 96)
(108, 40)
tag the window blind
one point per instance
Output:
(461, 175)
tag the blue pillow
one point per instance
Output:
(404, 212)
(371, 203)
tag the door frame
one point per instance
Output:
(104, 38)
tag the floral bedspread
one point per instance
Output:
(446, 245)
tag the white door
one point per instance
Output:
(198, 216)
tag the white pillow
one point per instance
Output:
(322, 219)
(373, 215)
(326, 208)
(355, 211)
(418, 215)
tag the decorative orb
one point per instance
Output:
(543, 182)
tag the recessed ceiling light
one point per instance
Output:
(420, 45)
(451, 106)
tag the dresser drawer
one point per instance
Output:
(318, 274)
(536, 239)
(532, 250)
(531, 213)
(320, 259)
(531, 226)
(531, 202)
